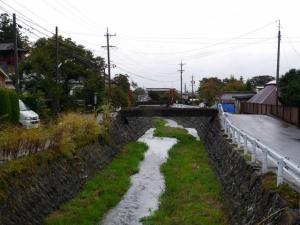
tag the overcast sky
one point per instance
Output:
(212, 37)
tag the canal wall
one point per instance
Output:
(247, 201)
(32, 194)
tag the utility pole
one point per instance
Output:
(16, 55)
(185, 88)
(193, 82)
(57, 79)
(56, 55)
(278, 62)
(108, 35)
(181, 71)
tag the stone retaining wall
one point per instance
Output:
(31, 196)
(246, 200)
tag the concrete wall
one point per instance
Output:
(247, 202)
(31, 196)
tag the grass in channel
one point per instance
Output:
(193, 193)
(101, 192)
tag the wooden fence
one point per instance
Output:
(286, 113)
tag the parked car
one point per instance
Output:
(28, 118)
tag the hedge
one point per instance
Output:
(9, 106)
(15, 109)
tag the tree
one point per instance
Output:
(121, 80)
(233, 84)
(258, 81)
(77, 65)
(139, 91)
(289, 88)
(120, 90)
(7, 32)
(210, 89)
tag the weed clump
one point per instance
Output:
(71, 131)
(290, 196)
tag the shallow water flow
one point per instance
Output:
(143, 196)
(191, 131)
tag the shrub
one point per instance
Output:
(15, 109)
(289, 88)
(71, 132)
(36, 102)
(5, 106)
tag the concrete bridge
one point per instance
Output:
(168, 112)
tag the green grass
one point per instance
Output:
(193, 193)
(102, 192)
(290, 196)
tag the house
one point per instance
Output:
(3, 78)
(268, 95)
(228, 99)
(162, 95)
(239, 99)
(7, 59)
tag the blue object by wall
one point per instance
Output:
(228, 107)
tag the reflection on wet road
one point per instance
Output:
(276, 134)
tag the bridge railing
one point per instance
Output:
(285, 169)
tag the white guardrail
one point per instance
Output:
(285, 169)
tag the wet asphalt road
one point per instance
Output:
(276, 134)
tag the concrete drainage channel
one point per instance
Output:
(247, 202)
(148, 184)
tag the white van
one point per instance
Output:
(28, 118)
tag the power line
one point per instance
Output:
(32, 12)
(24, 17)
(293, 47)
(146, 78)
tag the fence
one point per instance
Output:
(285, 169)
(286, 113)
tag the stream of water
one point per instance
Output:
(148, 184)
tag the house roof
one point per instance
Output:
(9, 47)
(159, 89)
(248, 96)
(272, 82)
(265, 96)
(229, 96)
(2, 73)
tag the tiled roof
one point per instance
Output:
(229, 96)
(6, 46)
(265, 96)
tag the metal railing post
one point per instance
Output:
(245, 144)
(264, 165)
(280, 172)
(229, 131)
(233, 136)
(238, 139)
(253, 152)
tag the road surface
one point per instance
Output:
(276, 134)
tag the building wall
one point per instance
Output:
(2, 81)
